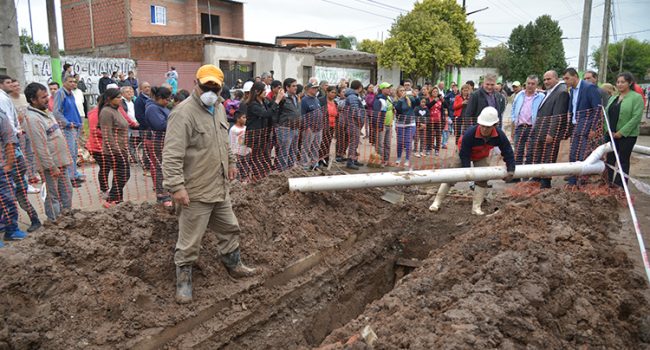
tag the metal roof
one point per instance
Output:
(306, 34)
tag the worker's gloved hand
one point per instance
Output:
(509, 176)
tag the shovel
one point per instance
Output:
(393, 196)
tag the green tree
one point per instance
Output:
(496, 57)
(370, 46)
(431, 37)
(535, 49)
(635, 58)
(346, 42)
(27, 44)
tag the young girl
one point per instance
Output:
(436, 123)
(422, 118)
(405, 125)
(237, 135)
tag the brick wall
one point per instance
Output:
(186, 48)
(109, 25)
(231, 17)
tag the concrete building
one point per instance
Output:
(306, 38)
(96, 27)
(11, 62)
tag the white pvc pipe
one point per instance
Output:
(641, 149)
(592, 165)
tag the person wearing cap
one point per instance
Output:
(382, 119)
(475, 146)
(516, 87)
(197, 167)
(355, 119)
(312, 128)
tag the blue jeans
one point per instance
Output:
(404, 138)
(523, 134)
(310, 145)
(59, 193)
(445, 137)
(21, 185)
(287, 140)
(26, 146)
(71, 137)
(8, 210)
(578, 151)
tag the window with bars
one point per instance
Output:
(158, 15)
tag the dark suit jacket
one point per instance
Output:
(587, 111)
(478, 101)
(556, 105)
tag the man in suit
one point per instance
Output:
(479, 99)
(592, 77)
(552, 124)
(584, 106)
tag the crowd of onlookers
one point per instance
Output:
(278, 125)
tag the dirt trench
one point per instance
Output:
(540, 271)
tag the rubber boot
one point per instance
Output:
(235, 267)
(479, 195)
(184, 284)
(442, 193)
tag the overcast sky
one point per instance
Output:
(264, 19)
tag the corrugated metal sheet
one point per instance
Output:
(154, 72)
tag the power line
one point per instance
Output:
(387, 6)
(572, 38)
(357, 9)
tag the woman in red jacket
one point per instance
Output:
(94, 146)
(459, 106)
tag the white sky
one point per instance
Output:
(264, 19)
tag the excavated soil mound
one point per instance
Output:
(542, 273)
(104, 279)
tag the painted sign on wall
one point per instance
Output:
(38, 69)
(333, 75)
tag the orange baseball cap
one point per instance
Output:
(209, 72)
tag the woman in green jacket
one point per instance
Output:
(624, 113)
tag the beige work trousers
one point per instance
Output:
(193, 222)
(456, 163)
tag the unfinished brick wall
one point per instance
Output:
(109, 24)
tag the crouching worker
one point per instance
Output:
(197, 167)
(475, 146)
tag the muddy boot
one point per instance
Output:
(479, 195)
(235, 268)
(442, 193)
(184, 284)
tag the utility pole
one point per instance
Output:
(620, 61)
(55, 59)
(604, 44)
(584, 37)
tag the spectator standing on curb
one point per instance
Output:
(66, 113)
(115, 143)
(8, 210)
(312, 128)
(197, 169)
(524, 113)
(155, 116)
(585, 115)
(260, 113)
(382, 116)
(354, 121)
(625, 112)
(52, 157)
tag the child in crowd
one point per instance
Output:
(422, 117)
(237, 135)
(232, 106)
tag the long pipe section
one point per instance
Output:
(590, 166)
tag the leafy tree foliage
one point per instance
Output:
(635, 57)
(496, 57)
(370, 46)
(27, 44)
(346, 42)
(535, 49)
(432, 36)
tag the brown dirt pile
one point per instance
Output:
(104, 279)
(542, 273)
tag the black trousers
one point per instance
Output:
(624, 148)
(119, 163)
